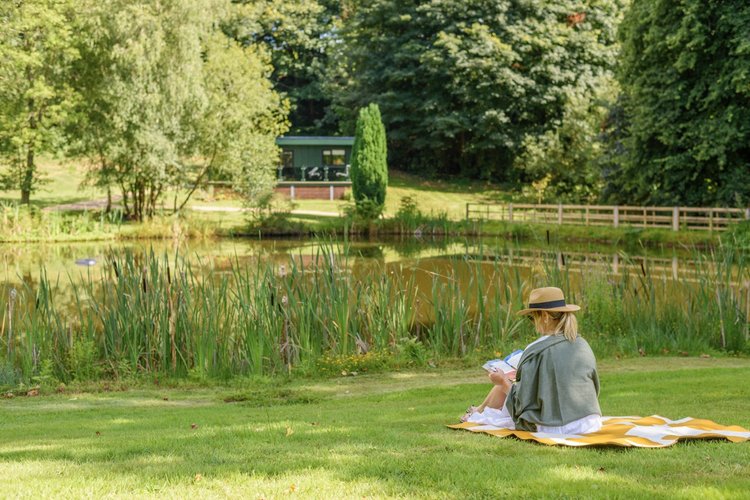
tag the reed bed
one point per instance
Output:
(167, 316)
(24, 224)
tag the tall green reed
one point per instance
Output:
(165, 315)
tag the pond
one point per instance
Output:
(241, 306)
(66, 262)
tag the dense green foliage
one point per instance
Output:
(685, 73)
(161, 96)
(369, 170)
(36, 52)
(151, 93)
(462, 85)
(564, 164)
(299, 35)
(169, 100)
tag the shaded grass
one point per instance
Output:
(374, 436)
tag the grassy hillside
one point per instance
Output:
(61, 184)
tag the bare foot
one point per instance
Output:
(469, 412)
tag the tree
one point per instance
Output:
(236, 134)
(143, 92)
(36, 50)
(300, 36)
(685, 76)
(566, 160)
(463, 83)
(169, 99)
(369, 167)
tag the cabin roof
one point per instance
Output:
(297, 140)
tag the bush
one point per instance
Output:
(9, 376)
(411, 352)
(738, 235)
(82, 360)
(408, 210)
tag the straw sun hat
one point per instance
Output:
(549, 299)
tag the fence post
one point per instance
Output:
(587, 215)
(291, 191)
(710, 219)
(675, 218)
(747, 213)
(510, 212)
(331, 191)
(616, 216)
(467, 212)
(559, 213)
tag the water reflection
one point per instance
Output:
(22, 264)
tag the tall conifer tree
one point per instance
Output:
(369, 168)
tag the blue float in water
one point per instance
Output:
(86, 262)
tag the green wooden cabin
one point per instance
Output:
(315, 159)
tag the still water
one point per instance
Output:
(69, 262)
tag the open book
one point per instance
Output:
(506, 365)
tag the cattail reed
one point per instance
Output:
(167, 316)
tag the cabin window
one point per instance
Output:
(334, 157)
(287, 158)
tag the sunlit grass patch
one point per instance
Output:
(380, 435)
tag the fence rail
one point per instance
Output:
(675, 218)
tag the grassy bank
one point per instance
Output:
(327, 313)
(373, 436)
(413, 206)
(311, 226)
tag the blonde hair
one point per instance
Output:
(567, 324)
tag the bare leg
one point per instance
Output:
(495, 399)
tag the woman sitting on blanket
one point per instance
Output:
(556, 384)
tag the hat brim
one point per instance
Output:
(565, 308)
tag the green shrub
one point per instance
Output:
(9, 376)
(411, 352)
(738, 235)
(82, 360)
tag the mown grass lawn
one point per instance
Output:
(365, 436)
(61, 184)
(431, 196)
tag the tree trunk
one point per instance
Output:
(28, 174)
(125, 196)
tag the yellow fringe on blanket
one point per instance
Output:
(643, 432)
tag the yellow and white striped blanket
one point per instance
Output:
(644, 432)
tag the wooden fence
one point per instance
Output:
(685, 268)
(675, 218)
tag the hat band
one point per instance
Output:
(547, 305)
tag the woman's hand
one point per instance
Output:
(499, 378)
